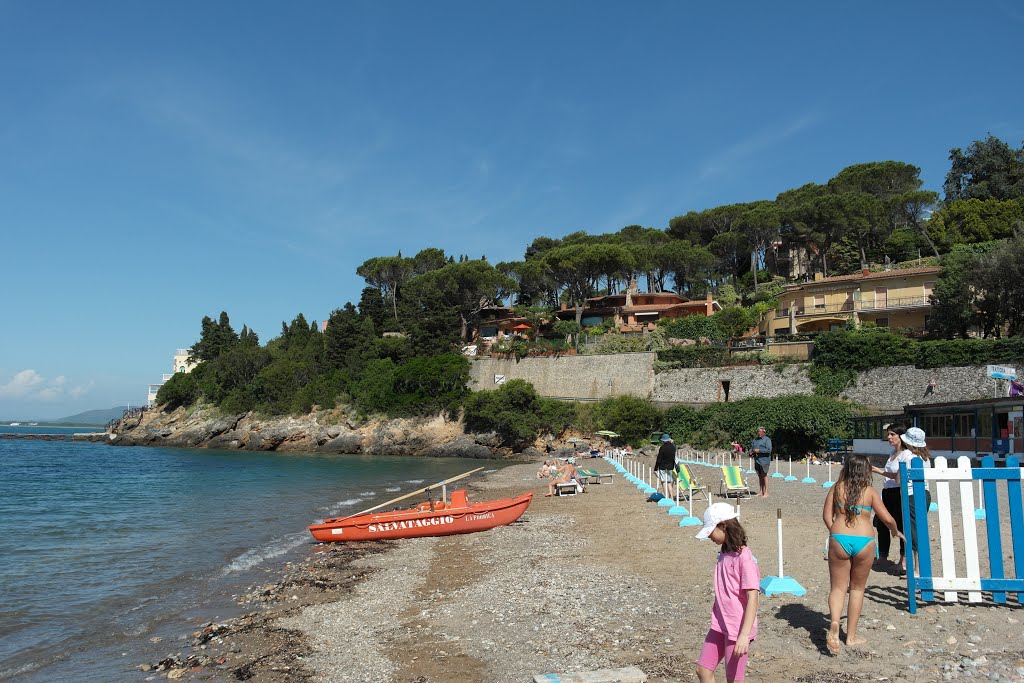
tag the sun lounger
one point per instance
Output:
(593, 476)
(733, 483)
(569, 488)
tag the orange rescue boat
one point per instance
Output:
(436, 518)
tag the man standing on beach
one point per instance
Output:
(665, 465)
(761, 447)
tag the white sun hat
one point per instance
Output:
(914, 437)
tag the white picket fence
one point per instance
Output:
(985, 506)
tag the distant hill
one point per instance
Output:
(92, 417)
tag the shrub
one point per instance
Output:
(795, 424)
(180, 390)
(873, 348)
(694, 327)
(631, 417)
(512, 411)
(681, 422)
(695, 356)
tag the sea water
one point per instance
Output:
(110, 555)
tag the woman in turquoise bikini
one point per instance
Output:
(847, 515)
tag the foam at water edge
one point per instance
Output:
(414, 481)
(392, 489)
(256, 556)
(24, 669)
(333, 509)
(367, 494)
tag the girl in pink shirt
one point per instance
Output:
(737, 587)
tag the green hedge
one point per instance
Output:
(874, 348)
(695, 356)
(796, 424)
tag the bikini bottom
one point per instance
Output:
(854, 544)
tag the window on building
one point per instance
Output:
(819, 301)
(985, 424)
(882, 322)
(929, 287)
(881, 297)
(937, 426)
(963, 424)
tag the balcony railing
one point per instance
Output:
(850, 306)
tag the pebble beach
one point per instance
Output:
(598, 580)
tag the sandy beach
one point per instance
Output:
(598, 580)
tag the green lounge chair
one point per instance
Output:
(593, 476)
(687, 483)
(733, 483)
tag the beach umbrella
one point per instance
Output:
(605, 432)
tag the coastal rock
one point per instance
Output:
(465, 447)
(322, 431)
(342, 443)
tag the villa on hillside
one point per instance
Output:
(179, 364)
(635, 311)
(897, 299)
(631, 312)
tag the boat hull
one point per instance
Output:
(416, 523)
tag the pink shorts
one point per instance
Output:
(715, 649)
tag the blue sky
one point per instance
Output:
(164, 161)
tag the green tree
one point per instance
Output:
(388, 274)
(734, 321)
(343, 337)
(969, 221)
(761, 223)
(432, 321)
(371, 306)
(426, 386)
(214, 339)
(989, 169)
(469, 287)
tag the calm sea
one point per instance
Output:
(105, 549)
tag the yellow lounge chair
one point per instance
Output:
(733, 483)
(687, 483)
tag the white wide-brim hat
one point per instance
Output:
(914, 437)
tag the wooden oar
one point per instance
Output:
(408, 495)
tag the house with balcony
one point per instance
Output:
(898, 299)
(635, 311)
(179, 364)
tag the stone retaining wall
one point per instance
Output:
(576, 377)
(603, 376)
(708, 385)
(892, 388)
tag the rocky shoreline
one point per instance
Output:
(331, 431)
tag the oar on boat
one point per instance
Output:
(408, 495)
